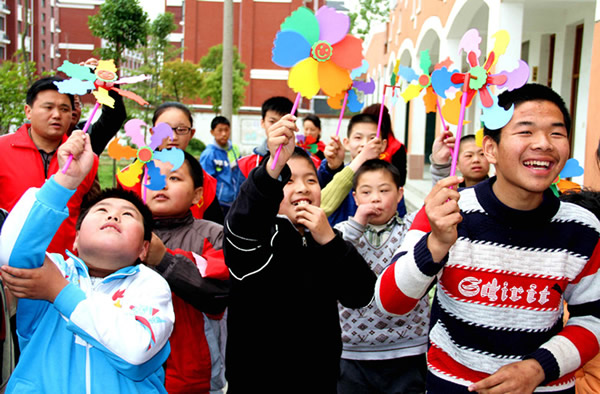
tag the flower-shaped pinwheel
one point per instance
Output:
(561, 184)
(145, 154)
(309, 143)
(319, 51)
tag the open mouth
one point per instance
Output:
(537, 164)
(301, 202)
(110, 226)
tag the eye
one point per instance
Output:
(101, 210)
(174, 178)
(127, 213)
(311, 181)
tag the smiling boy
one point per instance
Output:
(506, 254)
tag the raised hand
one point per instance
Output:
(334, 153)
(315, 220)
(443, 213)
(79, 146)
(371, 150)
(443, 145)
(281, 133)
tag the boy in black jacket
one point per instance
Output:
(288, 270)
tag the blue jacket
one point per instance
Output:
(222, 164)
(109, 336)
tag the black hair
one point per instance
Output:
(377, 165)
(314, 119)
(121, 194)
(585, 198)
(45, 84)
(301, 153)
(386, 121)
(219, 120)
(172, 104)
(529, 92)
(365, 118)
(195, 169)
(278, 104)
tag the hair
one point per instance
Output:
(386, 121)
(529, 92)
(365, 118)
(45, 84)
(122, 194)
(314, 119)
(377, 165)
(195, 169)
(279, 104)
(217, 120)
(585, 198)
(172, 104)
(301, 153)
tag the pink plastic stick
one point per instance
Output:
(381, 111)
(85, 129)
(337, 132)
(461, 117)
(294, 108)
(144, 184)
(439, 108)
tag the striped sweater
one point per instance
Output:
(501, 289)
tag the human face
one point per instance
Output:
(378, 189)
(271, 117)
(178, 195)
(175, 117)
(532, 151)
(310, 130)
(111, 235)
(360, 134)
(50, 115)
(221, 132)
(76, 112)
(472, 163)
(302, 188)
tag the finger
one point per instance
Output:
(15, 272)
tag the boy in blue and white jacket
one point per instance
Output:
(96, 322)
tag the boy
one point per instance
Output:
(98, 321)
(363, 145)
(381, 353)
(472, 163)
(285, 262)
(220, 159)
(505, 255)
(271, 112)
(199, 290)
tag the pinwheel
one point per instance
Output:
(319, 52)
(479, 79)
(561, 184)
(309, 143)
(145, 154)
(82, 80)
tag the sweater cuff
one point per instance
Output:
(54, 195)
(548, 363)
(424, 260)
(67, 300)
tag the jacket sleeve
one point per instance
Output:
(133, 336)
(325, 174)
(250, 222)
(207, 162)
(351, 230)
(402, 284)
(108, 124)
(336, 191)
(399, 161)
(438, 171)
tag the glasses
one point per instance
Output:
(181, 130)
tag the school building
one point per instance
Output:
(559, 39)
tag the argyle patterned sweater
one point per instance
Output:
(501, 288)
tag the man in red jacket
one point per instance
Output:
(28, 156)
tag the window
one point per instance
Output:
(43, 3)
(2, 53)
(43, 44)
(19, 27)
(2, 22)
(43, 57)
(43, 17)
(43, 30)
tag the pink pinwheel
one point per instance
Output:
(319, 51)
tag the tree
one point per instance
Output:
(14, 82)
(181, 80)
(123, 24)
(212, 69)
(369, 11)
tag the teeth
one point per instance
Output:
(301, 202)
(537, 163)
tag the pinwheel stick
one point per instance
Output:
(85, 129)
(337, 132)
(461, 117)
(381, 111)
(144, 182)
(439, 108)
(294, 108)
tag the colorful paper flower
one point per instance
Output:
(309, 143)
(319, 51)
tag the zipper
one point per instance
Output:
(304, 241)
(88, 381)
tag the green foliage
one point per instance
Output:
(123, 24)
(212, 67)
(14, 82)
(195, 147)
(181, 80)
(370, 11)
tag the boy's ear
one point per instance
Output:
(197, 195)
(262, 124)
(490, 149)
(346, 143)
(355, 199)
(76, 241)
(192, 132)
(400, 194)
(144, 252)
(384, 143)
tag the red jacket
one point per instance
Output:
(21, 167)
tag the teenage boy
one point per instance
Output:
(220, 159)
(472, 163)
(506, 254)
(271, 112)
(28, 156)
(98, 321)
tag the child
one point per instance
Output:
(288, 270)
(363, 145)
(505, 256)
(381, 353)
(271, 112)
(98, 321)
(312, 129)
(472, 163)
(199, 290)
(220, 159)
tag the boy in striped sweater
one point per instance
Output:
(506, 253)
